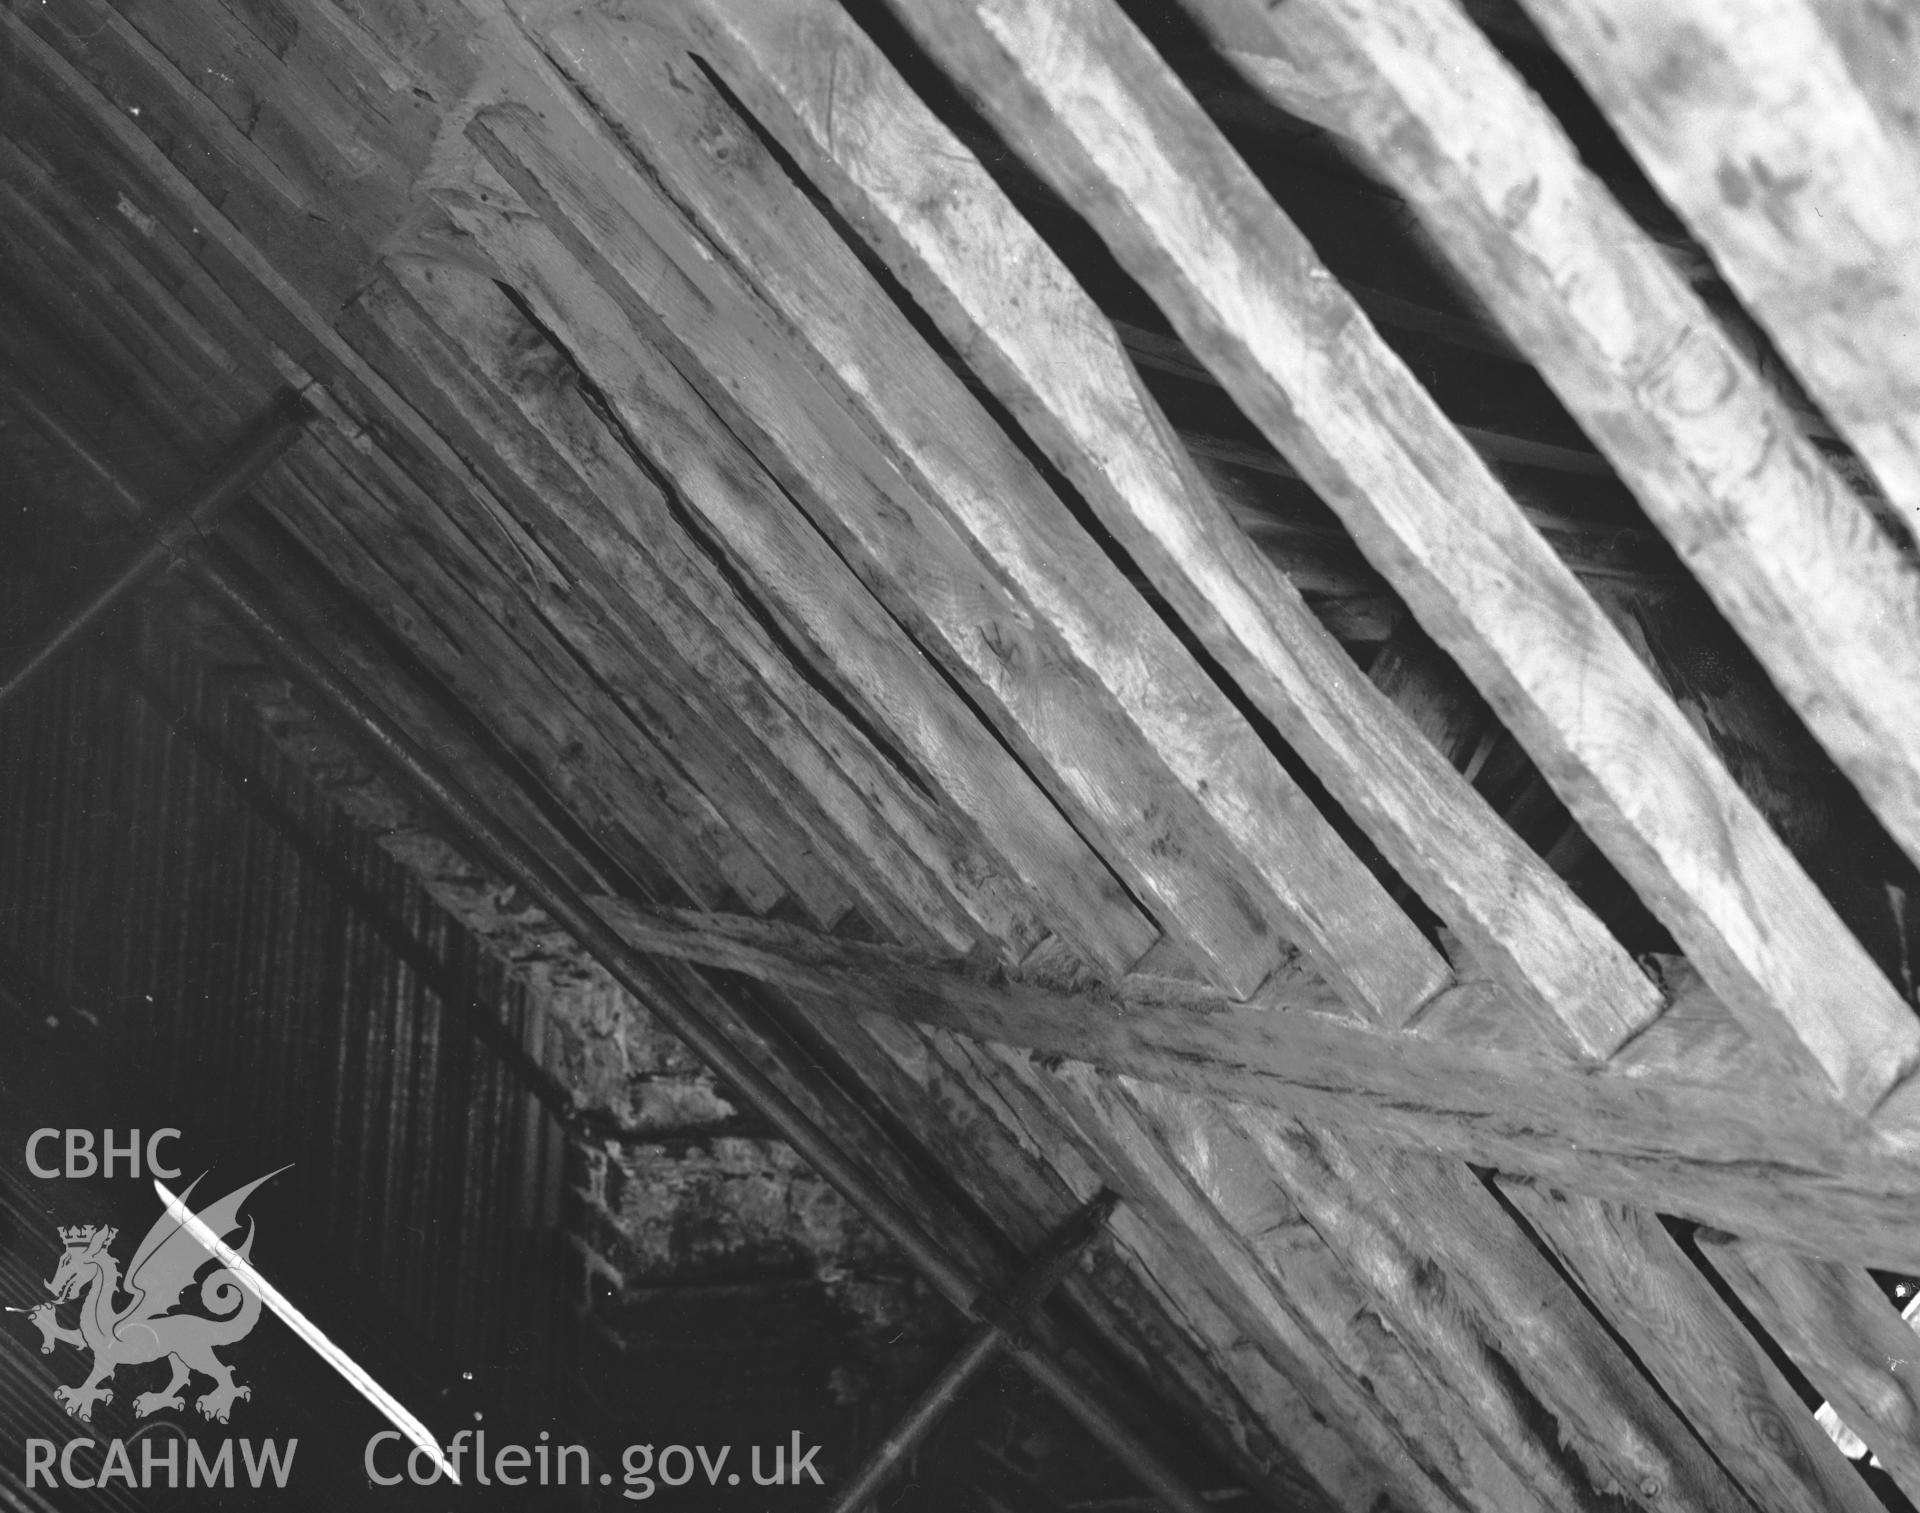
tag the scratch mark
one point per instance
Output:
(271, 1297)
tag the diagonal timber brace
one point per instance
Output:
(163, 535)
(215, 569)
(542, 882)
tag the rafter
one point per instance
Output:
(477, 365)
(1082, 93)
(1003, 297)
(955, 1091)
(823, 606)
(1452, 1269)
(1648, 1290)
(1777, 131)
(1283, 1288)
(908, 476)
(727, 572)
(1843, 1333)
(943, 1107)
(1789, 554)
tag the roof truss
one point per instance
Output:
(719, 416)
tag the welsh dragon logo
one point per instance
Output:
(146, 1328)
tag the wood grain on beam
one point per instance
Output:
(1311, 1320)
(1768, 125)
(196, 310)
(958, 1092)
(919, 570)
(312, 244)
(1789, 554)
(122, 175)
(1003, 298)
(822, 607)
(1251, 483)
(483, 368)
(451, 607)
(1451, 1267)
(1838, 1326)
(911, 477)
(1688, 1120)
(1083, 95)
(1184, 1374)
(1645, 1286)
(335, 114)
(316, 606)
(602, 619)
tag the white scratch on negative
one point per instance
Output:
(271, 1296)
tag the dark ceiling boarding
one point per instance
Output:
(1305, 617)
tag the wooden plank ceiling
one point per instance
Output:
(1246, 605)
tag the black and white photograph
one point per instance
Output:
(960, 756)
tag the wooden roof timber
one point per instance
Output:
(1304, 1311)
(1706, 443)
(1021, 655)
(457, 490)
(1666, 1123)
(598, 326)
(921, 1077)
(1834, 1322)
(953, 1093)
(444, 602)
(950, 1096)
(1501, 1319)
(976, 872)
(1737, 111)
(1743, 1408)
(707, 649)
(424, 719)
(1004, 300)
(731, 499)
(1452, 1431)
(1517, 1504)
(738, 154)
(692, 864)
(598, 554)
(1097, 111)
(1302, 551)
(1304, 148)
(1352, 237)
(289, 318)
(1622, 1106)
